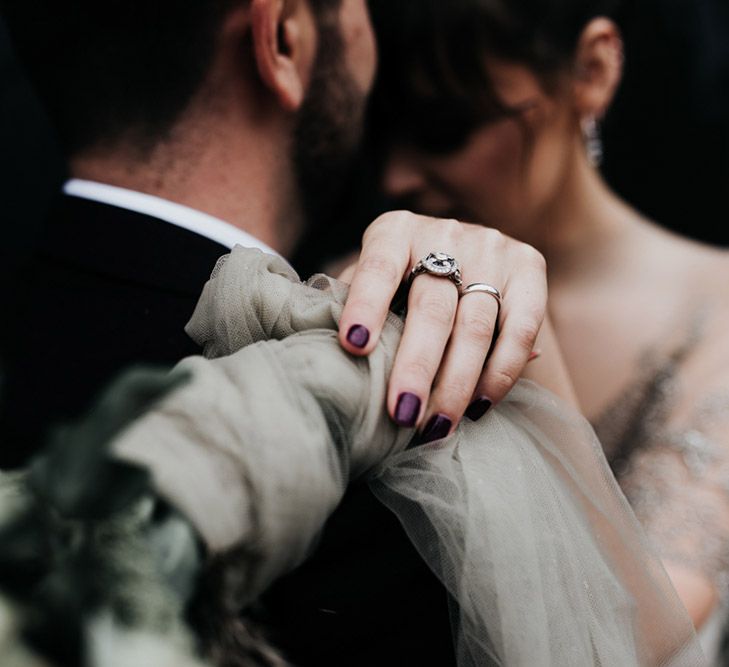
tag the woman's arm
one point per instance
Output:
(698, 594)
(548, 368)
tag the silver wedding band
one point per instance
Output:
(482, 288)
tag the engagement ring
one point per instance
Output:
(440, 265)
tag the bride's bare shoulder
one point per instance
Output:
(698, 276)
(702, 269)
(712, 274)
(708, 291)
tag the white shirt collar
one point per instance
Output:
(176, 214)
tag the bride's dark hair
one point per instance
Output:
(433, 87)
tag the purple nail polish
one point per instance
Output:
(438, 428)
(407, 410)
(478, 408)
(358, 336)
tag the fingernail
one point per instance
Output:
(438, 428)
(358, 336)
(478, 408)
(407, 410)
(534, 355)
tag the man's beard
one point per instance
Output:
(329, 129)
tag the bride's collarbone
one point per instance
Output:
(608, 353)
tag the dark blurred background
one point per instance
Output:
(666, 138)
(31, 169)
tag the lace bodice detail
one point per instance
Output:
(674, 471)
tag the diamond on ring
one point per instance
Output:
(439, 264)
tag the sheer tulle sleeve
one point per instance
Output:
(523, 521)
(258, 449)
(519, 514)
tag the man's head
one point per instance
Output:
(331, 118)
(128, 76)
(116, 70)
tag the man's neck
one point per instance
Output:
(242, 192)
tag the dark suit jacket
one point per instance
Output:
(110, 288)
(107, 288)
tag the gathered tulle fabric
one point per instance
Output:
(521, 519)
(518, 514)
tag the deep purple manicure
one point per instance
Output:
(438, 428)
(358, 336)
(478, 408)
(407, 410)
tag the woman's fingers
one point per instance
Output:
(462, 365)
(381, 268)
(432, 306)
(347, 275)
(522, 313)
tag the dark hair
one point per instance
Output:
(433, 88)
(108, 70)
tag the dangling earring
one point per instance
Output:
(593, 141)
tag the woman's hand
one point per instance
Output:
(439, 373)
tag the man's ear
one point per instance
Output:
(598, 67)
(284, 42)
